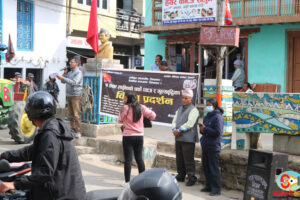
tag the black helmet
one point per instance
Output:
(153, 184)
(40, 105)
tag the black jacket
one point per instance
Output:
(212, 136)
(56, 172)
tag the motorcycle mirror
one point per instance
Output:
(4, 166)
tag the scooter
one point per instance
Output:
(152, 184)
(9, 172)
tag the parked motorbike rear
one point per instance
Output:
(10, 172)
(153, 184)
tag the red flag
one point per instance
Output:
(228, 18)
(10, 54)
(106, 77)
(92, 34)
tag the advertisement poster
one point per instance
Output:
(188, 11)
(159, 91)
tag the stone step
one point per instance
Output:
(168, 161)
(82, 141)
(85, 150)
(112, 145)
(93, 130)
(169, 148)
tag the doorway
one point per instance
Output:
(124, 60)
(179, 57)
(293, 65)
(38, 76)
(10, 72)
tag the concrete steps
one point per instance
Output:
(85, 150)
(168, 161)
(112, 145)
(107, 140)
(169, 147)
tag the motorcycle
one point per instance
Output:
(10, 172)
(152, 184)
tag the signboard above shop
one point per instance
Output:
(188, 11)
(78, 42)
(223, 36)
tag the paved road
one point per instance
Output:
(101, 172)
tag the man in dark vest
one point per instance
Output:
(184, 128)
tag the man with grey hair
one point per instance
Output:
(73, 80)
(81, 68)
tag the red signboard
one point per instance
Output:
(226, 36)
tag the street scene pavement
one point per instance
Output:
(102, 172)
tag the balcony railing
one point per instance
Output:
(129, 21)
(243, 10)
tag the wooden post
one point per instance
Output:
(243, 8)
(192, 57)
(246, 60)
(226, 65)
(199, 71)
(153, 12)
(220, 60)
(167, 53)
(278, 7)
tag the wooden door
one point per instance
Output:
(293, 70)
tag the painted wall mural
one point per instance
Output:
(209, 90)
(267, 113)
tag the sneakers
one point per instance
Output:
(125, 184)
(77, 135)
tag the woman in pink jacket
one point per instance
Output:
(131, 116)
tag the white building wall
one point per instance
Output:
(49, 39)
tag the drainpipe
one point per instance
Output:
(70, 18)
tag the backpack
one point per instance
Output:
(87, 99)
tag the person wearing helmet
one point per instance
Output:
(55, 172)
(32, 87)
(20, 83)
(52, 87)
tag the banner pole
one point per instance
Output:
(97, 90)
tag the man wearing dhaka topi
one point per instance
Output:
(106, 50)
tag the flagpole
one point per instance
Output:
(92, 39)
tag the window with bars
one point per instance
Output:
(102, 4)
(25, 25)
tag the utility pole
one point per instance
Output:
(220, 58)
(70, 19)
